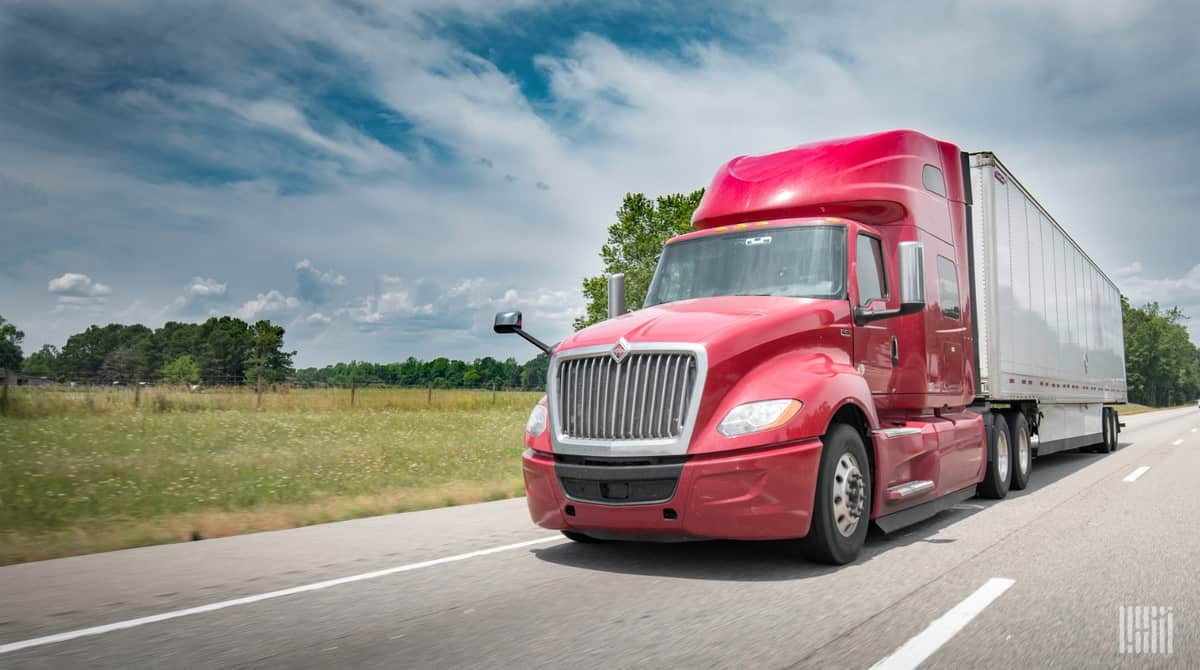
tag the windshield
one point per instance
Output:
(801, 262)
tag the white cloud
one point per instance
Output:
(389, 306)
(466, 307)
(74, 284)
(201, 296)
(1182, 290)
(202, 287)
(315, 286)
(266, 305)
(318, 318)
(1134, 268)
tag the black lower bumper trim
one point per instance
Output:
(616, 484)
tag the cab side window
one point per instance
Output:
(948, 287)
(868, 260)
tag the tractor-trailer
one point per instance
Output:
(862, 330)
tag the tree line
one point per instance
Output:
(219, 351)
(1162, 366)
(484, 372)
(228, 351)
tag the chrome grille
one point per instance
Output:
(643, 397)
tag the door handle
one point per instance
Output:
(895, 352)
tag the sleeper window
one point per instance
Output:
(948, 287)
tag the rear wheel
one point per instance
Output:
(1109, 444)
(581, 538)
(995, 482)
(1022, 455)
(842, 508)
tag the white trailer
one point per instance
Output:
(1049, 331)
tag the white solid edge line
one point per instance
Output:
(212, 607)
(1178, 442)
(1136, 473)
(914, 652)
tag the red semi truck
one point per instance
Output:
(857, 330)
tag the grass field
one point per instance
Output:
(84, 471)
(1130, 409)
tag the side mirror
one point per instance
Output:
(912, 277)
(507, 322)
(912, 286)
(510, 322)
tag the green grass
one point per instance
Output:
(1129, 409)
(87, 473)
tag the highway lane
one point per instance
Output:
(1078, 544)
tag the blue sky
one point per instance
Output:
(380, 177)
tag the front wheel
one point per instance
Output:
(842, 508)
(995, 482)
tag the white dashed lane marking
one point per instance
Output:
(1132, 477)
(914, 652)
(212, 607)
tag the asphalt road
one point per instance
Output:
(445, 588)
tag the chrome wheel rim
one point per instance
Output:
(1002, 456)
(849, 495)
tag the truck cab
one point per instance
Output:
(804, 363)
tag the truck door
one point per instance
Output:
(951, 332)
(873, 342)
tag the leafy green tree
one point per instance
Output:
(117, 366)
(182, 370)
(634, 243)
(42, 363)
(533, 374)
(227, 348)
(267, 360)
(1162, 365)
(10, 346)
(471, 378)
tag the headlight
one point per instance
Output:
(753, 417)
(536, 425)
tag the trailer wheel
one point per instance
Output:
(1022, 453)
(999, 473)
(581, 538)
(842, 509)
(1109, 444)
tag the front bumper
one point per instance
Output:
(753, 495)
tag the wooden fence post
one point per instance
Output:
(353, 390)
(493, 393)
(429, 396)
(258, 391)
(137, 393)
(4, 391)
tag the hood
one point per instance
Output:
(725, 325)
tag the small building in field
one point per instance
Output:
(22, 379)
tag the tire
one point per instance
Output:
(1109, 444)
(999, 471)
(581, 538)
(842, 505)
(1021, 460)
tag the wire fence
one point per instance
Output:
(24, 395)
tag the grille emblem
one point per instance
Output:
(619, 350)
